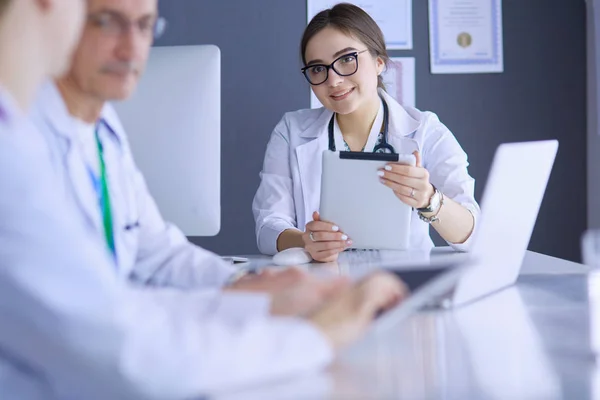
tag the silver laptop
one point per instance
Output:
(510, 205)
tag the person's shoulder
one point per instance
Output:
(48, 106)
(296, 122)
(23, 151)
(423, 116)
(431, 129)
(434, 135)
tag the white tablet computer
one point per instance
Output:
(353, 198)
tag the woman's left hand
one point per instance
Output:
(410, 184)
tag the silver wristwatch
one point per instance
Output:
(435, 203)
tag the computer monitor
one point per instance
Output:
(174, 126)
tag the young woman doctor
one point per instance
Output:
(344, 54)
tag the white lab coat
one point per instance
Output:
(155, 252)
(70, 328)
(290, 187)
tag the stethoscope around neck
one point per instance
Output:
(383, 146)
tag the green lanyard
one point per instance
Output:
(106, 209)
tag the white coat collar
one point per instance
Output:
(54, 119)
(318, 126)
(53, 109)
(9, 110)
(401, 123)
(113, 123)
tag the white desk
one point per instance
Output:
(531, 341)
(534, 263)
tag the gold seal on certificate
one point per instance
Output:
(464, 40)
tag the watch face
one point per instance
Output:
(435, 201)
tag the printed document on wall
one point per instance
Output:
(394, 17)
(466, 36)
(399, 80)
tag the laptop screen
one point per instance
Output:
(415, 278)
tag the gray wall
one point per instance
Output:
(541, 95)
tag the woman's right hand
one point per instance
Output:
(323, 240)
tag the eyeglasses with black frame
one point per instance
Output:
(345, 65)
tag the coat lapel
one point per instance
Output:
(402, 127)
(310, 161)
(61, 130)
